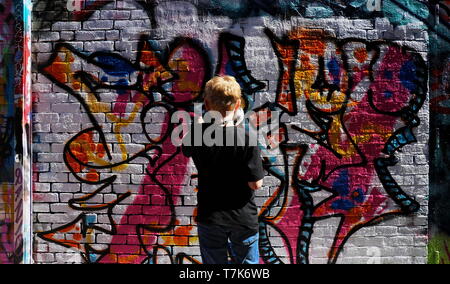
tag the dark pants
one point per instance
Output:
(217, 241)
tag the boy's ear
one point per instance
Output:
(238, 105)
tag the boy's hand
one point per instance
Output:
(255, 185)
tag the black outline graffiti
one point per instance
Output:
(56, 10)
(231, 44)
(302, 188)
(6, 136)
(439, 199)
(285, 70)
(10, 255)
(234, 47)
(398, 140)
(51, 11)
(152, 152)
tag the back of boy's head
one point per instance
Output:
(222, 93)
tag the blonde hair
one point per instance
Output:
(222, 93)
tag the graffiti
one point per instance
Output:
(50, 11)
(5, 243)
(325, 83)
(79, 8)
(23, 228)
(439, 156)
(6, 225)
(7, 75)
(18, 215)
(374, 5)
(399, 12)
(15, 98)
(432, 14)
(8, 139)
(441, 86)
(156, 73)
(439, 250)
(316, 9)
(82, 9)
(232, 62)
(86, 157)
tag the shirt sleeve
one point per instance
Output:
(255, 170)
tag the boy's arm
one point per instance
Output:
(255, 168)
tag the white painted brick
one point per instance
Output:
(53, 177)
(66, 26)
(65, 187)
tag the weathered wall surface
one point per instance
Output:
(347, 171)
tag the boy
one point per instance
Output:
(227, 216)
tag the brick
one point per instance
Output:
(45, 117)
(65, 187)
(67, 35)
(66, 26)
(53, 177)
(49, 36)
(42, 47)
(94, 46)
(98, 25)
(59, 208)
(66, 107)
(45, 258)
(41, 187)
(41, 207)
(49, 157)
(115, 15)
(90, 35)
(54, 218)
(66, 127)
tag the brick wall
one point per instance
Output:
(10, 92)
(347, 171)
(439, 225)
